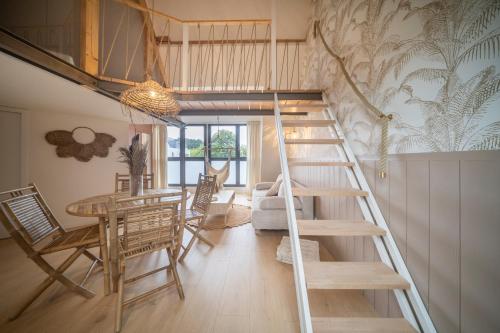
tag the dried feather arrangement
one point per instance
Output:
(135, 156)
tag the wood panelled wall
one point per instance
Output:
(444, 211)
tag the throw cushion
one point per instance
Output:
(273, 191)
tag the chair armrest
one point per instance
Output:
(263, 185)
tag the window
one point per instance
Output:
(186, 152)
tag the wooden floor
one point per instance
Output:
(237, 286)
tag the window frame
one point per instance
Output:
(207, 131)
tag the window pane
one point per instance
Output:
(243, 172)
(174, 172)
(243, 141)
(222, 137)
(232, 170)
(193, 169)
(195, 137)
(174, 141)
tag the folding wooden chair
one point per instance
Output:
(151, 223)
(30, 222)
(196, 216)
(122, 182)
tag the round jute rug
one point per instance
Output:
(238, 215)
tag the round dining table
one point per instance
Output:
(95, 206)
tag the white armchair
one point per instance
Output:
(270, 212)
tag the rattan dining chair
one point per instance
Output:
(196, 215)
(32, 225)
(150, 224)
(122, 182)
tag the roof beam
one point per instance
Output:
(235, 112)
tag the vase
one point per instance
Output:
(136, 185)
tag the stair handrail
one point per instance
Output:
(410, 302)
(298, 267)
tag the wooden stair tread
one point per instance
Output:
(352, 275)
(308, 123)
(313, 141)
(332, 192)
(338, 228)
(319, 163)
(303, 106)
(361, 325)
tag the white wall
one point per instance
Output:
(271, 167)
(65, 180)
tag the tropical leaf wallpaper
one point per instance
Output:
(432, 64)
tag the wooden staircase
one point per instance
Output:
(388, 274)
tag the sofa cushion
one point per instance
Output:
(264, 185)
(273, 191)
(274, 203)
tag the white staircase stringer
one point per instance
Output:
(410, 302)
(298, 266)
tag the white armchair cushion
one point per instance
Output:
(274, 203)
(273, 191)
(263, 186)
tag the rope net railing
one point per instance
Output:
(189, 55)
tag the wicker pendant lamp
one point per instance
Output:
(152, 98)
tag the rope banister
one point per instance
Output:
(384, 118)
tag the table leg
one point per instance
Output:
(103, 240)
(113, 253)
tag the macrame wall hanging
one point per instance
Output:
(79, 144)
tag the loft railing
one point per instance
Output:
(126, 41)
(209, 55)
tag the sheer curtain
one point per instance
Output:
(254, 140)
(159, 155)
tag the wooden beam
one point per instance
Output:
(89, 36)
(166, 40)
(33, 54)
(152, 52)
(255, 95)
(231, 112)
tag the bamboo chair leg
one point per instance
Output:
(54, 274)
(177, 280)
(187, 248)
(119, 300)
(199, 229)
(197, 232)
(104, 256)
(92, 257)
(37, 292)
(58, 275)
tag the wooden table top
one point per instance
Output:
(96, 206)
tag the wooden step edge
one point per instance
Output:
(327, 192)
(303, 106)
(360, 324)
(338, 228)
(334, 275)
(313, 141)
(321, 163)
(308, 123)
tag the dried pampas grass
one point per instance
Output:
(135, 156)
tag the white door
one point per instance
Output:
(10, 154)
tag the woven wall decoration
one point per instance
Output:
(68, 146)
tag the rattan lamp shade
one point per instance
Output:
(152, 98)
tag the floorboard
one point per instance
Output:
(237, 286)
